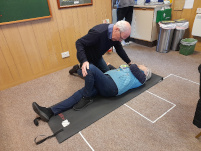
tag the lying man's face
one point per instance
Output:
(147, 71)
(143, 68)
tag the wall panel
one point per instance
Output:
(69, 31)
(6, 76)
(8, 58)
(30, 46)
(32, 49)
(15, 44)
(91, 18)
(188, 14)
(98, 11)
(42, 45)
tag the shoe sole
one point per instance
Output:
(74, 74)
(42, 115)
(72, 70)
(83, 106)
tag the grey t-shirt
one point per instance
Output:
(123, 3)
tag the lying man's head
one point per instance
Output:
(146, 70)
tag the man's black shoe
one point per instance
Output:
(43, 112)
(82, 103)
(111, 67)
(73, 71)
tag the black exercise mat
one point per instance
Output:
(98, 109)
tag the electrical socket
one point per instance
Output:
(65, 54)
(106, 21)
(198, 11)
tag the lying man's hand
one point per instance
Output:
(85, 66)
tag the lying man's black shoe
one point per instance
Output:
(82, 103)
(44, 113)
(73, 71)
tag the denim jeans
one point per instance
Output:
(101, 64)
(96, 82)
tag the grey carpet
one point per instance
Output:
(123, 129)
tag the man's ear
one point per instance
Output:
(116, 29)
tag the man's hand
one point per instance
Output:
(130, 63)
(85, 66)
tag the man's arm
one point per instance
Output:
(131, 63)
(121, 52)
(88, 40)
(138, 73)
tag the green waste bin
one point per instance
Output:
(187, 46)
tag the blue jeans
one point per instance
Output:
(101, 64)
(96, 82)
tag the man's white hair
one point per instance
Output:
(149, 74)
(122, 25)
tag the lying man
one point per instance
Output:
(112, 83)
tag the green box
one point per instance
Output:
(163, 15)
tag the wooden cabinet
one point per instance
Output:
(143, 26)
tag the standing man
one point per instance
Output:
(124, 10)
(99, 39)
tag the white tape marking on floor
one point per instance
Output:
(160, 98)
(86, 141)
(185, 79)
(159, 116)
(163, 100)
(138, 113)
(164, 114)
(167, 76)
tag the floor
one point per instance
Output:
(158, 119)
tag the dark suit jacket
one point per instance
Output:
(96, 43)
